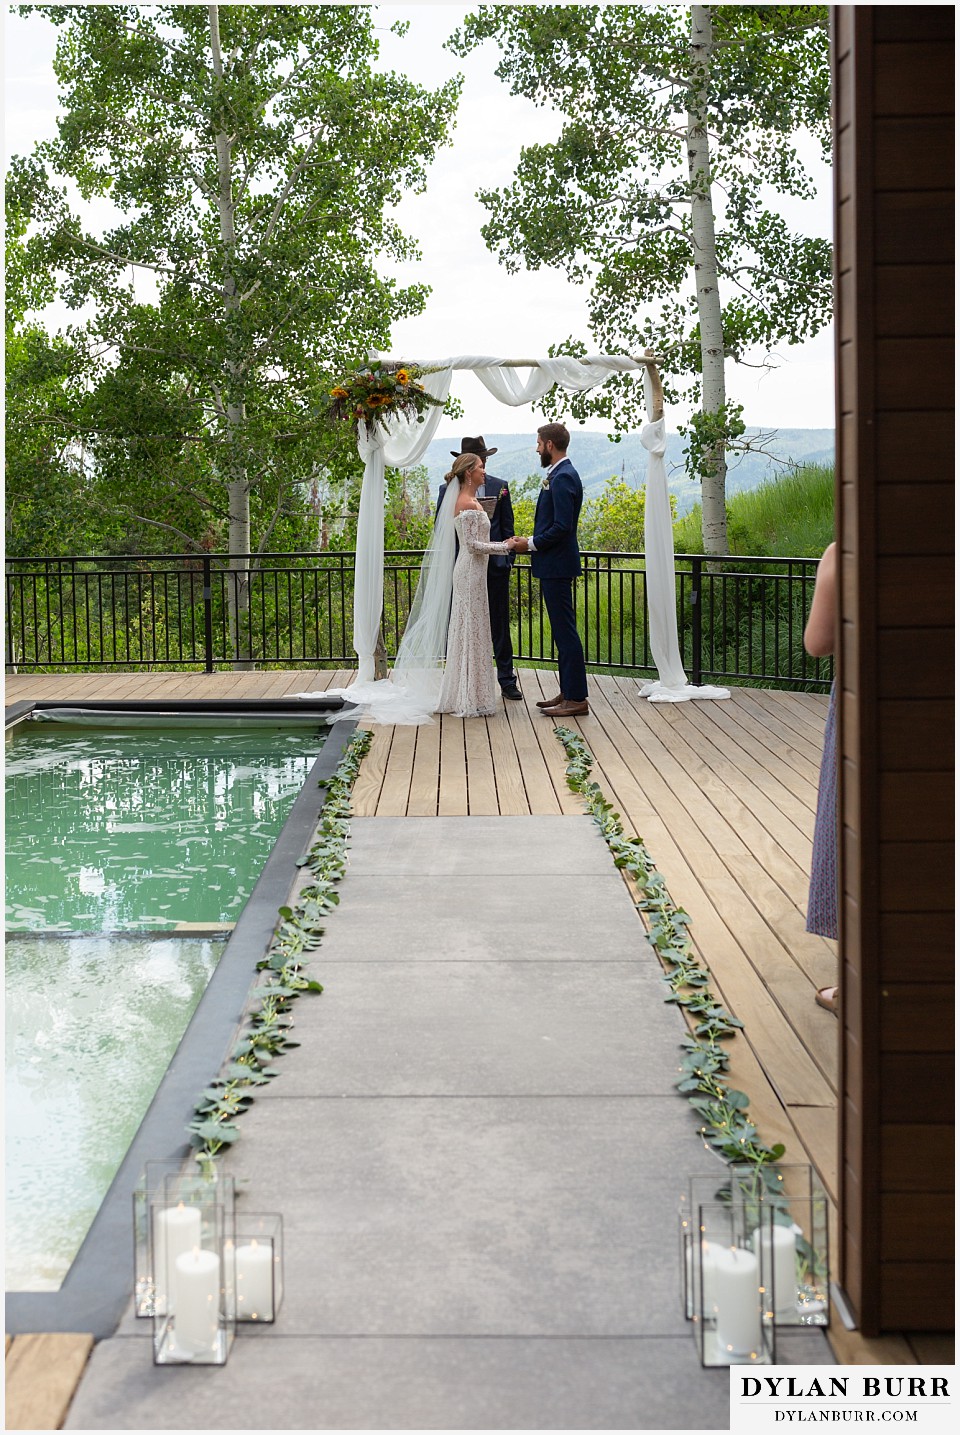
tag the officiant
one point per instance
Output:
(500, 512)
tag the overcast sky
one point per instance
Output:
(475, 307)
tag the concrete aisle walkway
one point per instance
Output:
(477, 1152)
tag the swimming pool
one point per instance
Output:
(119, 842)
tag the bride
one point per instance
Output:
(444, 663)
(468, 688)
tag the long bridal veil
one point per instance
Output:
(411, 694)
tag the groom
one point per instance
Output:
(556, 562)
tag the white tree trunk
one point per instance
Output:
(714, 475)
(238, 488)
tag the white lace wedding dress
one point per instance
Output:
(469, 688)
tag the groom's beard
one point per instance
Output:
(545, 460)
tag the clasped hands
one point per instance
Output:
(518, 545)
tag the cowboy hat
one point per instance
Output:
(473, 445)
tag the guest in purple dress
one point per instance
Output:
(819, 638)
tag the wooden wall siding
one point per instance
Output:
(893, 76)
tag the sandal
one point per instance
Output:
(829, 999)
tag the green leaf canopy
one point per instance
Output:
(253, 154)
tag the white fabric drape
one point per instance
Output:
(398, 442)
(671, 684)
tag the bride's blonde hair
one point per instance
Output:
(462, 465)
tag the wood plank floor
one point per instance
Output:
(724, 795)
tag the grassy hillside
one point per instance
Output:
(792, 516)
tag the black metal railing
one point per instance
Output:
(738, 619)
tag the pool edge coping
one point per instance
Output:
(99, 1284)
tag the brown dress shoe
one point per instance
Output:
(567, 709)
(551, 702)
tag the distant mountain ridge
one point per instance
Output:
(597, 459)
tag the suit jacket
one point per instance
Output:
(502, 522)
(555, 525)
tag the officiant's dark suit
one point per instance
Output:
(498, 568)
(555, 561)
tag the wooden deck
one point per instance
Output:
(723, 794)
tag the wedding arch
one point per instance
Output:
(401, 442)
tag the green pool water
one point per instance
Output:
(91, 1025)
(114, 830)
(113, 837)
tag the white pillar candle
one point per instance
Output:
(176, 1230)
(783, 1266)
(735, 1277)
(255, 1281)
(196, 1293)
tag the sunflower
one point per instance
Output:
(402, 376)
(339, 393)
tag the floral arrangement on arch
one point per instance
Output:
(378, 391)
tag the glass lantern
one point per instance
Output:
(730, 1287)
(257, 1254)
(151, 1188)
(797, 1201)
(194, 1320)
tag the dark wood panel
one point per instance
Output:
(844, 145)
(917, 1157)
(911, 940)
(915, 662)
(917, 1018)
(915, 518)
(916, 876)
(845, 295)
(914, 299)
(853, 1090)
(847, 366)
(849, 656)
(912, 22)
(916, 735)
(853, 997)
(853, 1125)
(913, 153)
(850, 922)
(913, 592)
(846, 448)
(913, 78)
(842, 91)
(912, 1081)
(850, 788)
(915, 1224)
(914, 227)
(916, 806)
(849, 583)
(913, 374)
(917, 1296)
(851, 1270)
(845, 234)
(912, 451)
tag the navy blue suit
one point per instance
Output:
(556, 562)
(498, 574)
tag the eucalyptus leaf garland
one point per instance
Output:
(299, 932)
(726, 1124)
